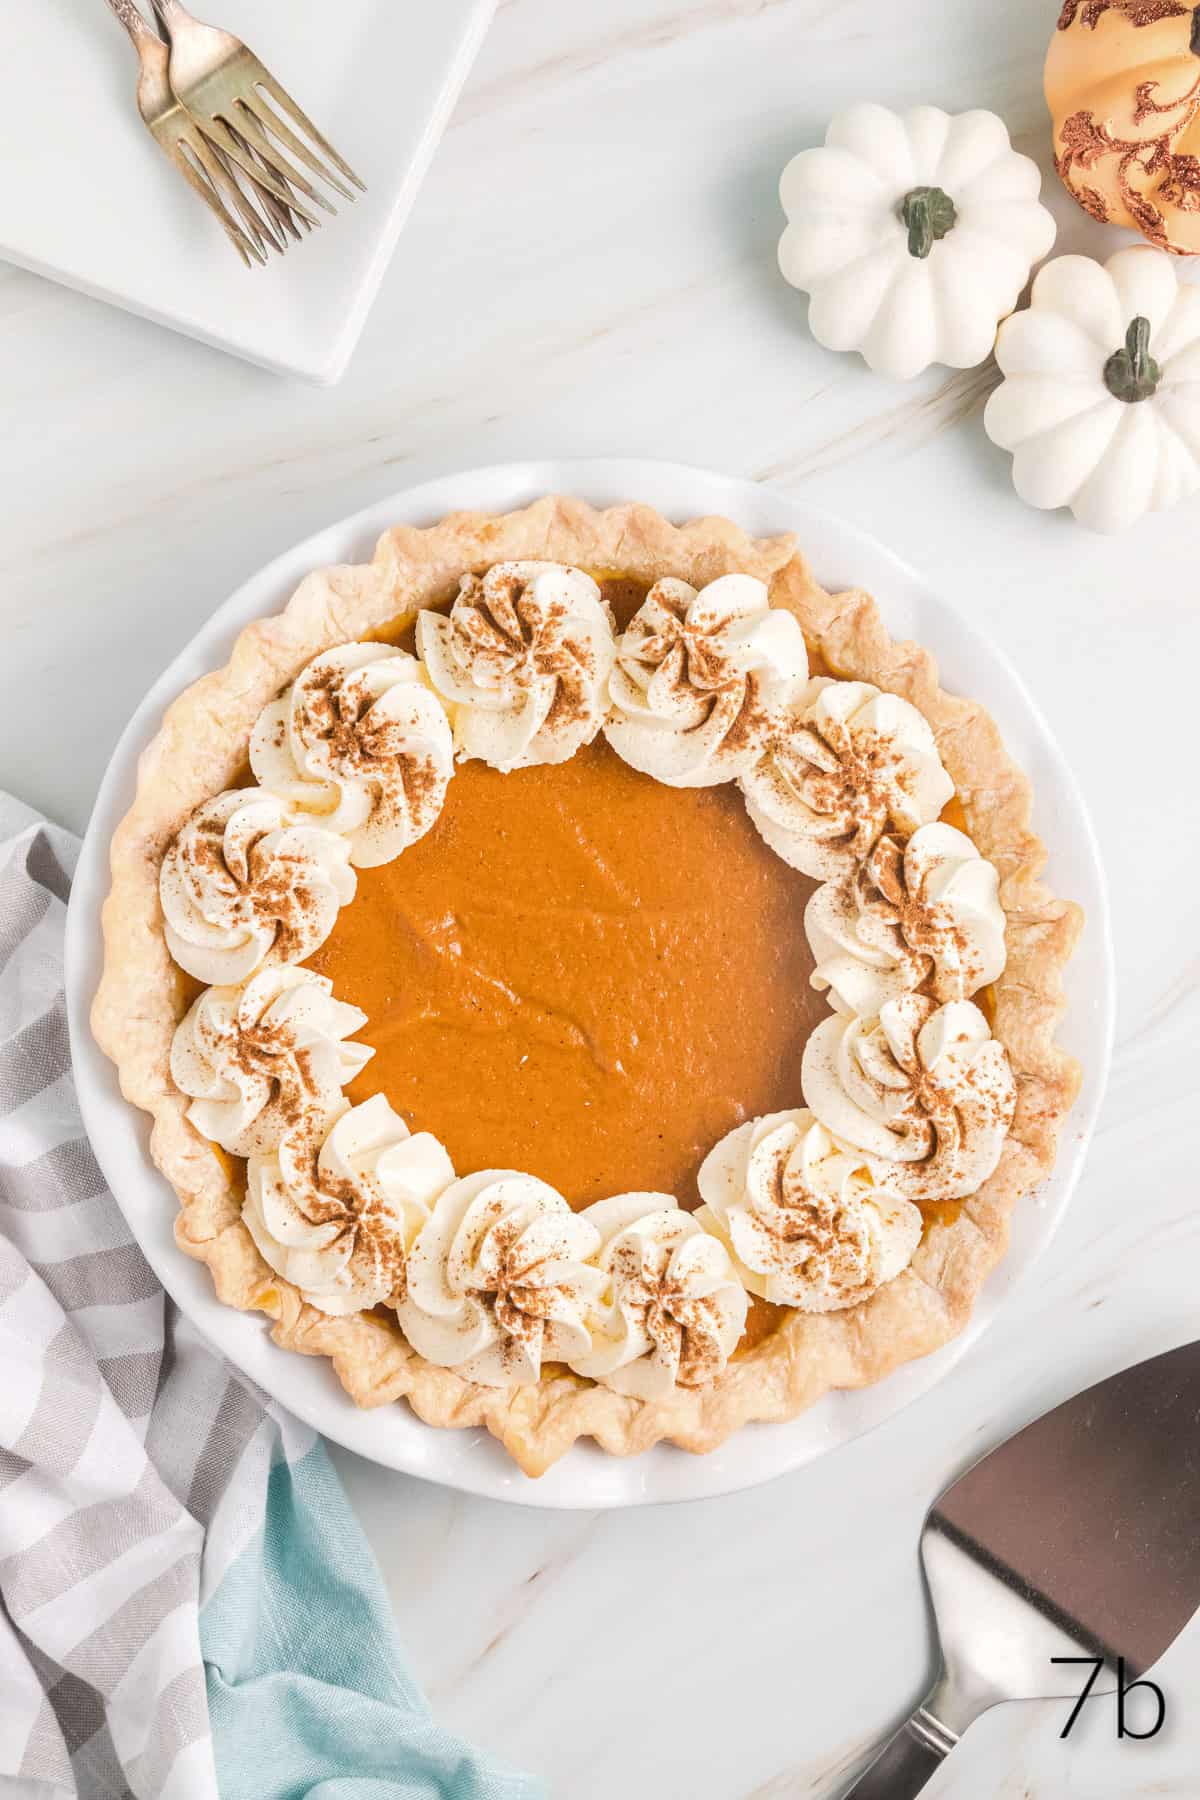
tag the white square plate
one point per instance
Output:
(88, 199)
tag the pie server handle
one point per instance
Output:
(910, 1760)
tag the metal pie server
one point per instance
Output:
(1079, 1537)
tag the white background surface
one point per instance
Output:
(589, 269)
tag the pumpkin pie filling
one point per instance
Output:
(559, 977)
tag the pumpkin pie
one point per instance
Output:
(587, 980)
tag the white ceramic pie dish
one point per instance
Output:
(586, 1477)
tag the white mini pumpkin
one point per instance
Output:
(913, 233)
(1100, 404)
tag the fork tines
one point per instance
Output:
(253, 128)
(256, 148)
(259, 121)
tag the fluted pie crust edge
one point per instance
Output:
(201, 749)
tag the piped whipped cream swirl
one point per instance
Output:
(804, 1220)
(362, 743)
(918, 913)
(337, 1213)
(851, 763)
(703, 679)
(523, 660)
(924, 1090)
(266, 1058)
(672, 1307)
(499, 1281)
(243, 882)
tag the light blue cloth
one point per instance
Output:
(309, 1694)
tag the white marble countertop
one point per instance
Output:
(589, 269)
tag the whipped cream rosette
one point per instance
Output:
(499, 1281)
(702, 680)
(336, 1211)
(804, 1220)
(262, 1059)
(243, 882)
(360, 742)
(851, 763)
(671, 1308)
(918, 912)
(522, 660)
(924, 1090)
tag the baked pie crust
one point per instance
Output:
(201, 749)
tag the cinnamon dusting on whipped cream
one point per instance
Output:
(523, 660)
(243, 883)
(270, 888)
(920, 913)
(803, 1216)
(925, 1091)
(360, 744)
(849, 763)
(702, 680)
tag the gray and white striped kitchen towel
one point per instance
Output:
(187, 1605)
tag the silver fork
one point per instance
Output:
(244, 110)
(181, 138)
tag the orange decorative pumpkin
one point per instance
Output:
(1123, 86)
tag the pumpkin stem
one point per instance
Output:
(1131, 373)
(929, 214)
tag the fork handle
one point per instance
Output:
(132, 20)
(911, 1759)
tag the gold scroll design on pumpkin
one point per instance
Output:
(1085, 143)
(1138, 12)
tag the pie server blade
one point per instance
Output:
(1079, 1537)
